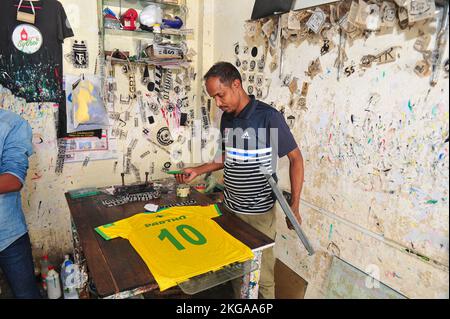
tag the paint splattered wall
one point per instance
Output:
(45, 207)
(375, 145)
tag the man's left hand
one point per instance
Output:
(297, 216)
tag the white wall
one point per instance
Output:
(349, 207)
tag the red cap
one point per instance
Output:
(51, 267)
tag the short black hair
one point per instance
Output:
(225, 71)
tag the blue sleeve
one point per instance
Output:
(283, 142)
(16, 150)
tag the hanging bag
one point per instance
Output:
(24, 16)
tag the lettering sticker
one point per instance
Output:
(325, 48)
(349, 70)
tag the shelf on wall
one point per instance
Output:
(138, 4)
(166, 64)
(143, 34)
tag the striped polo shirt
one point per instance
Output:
(255, 138)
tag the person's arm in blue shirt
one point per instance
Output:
(14, 158)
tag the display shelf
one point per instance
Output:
(144, 34)
(139, 4)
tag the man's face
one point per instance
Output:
(226, 96)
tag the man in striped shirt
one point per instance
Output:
(254, 135)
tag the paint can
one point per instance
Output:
(183, 190)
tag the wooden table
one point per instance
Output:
(114, 266)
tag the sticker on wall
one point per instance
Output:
(244, 65)
(154, 108)
(368, 16)
(316, 21)
(294, 19)
(259, 80)
(27, 38)
(422, 42)
(325, 47)
(259, 93)
(422, 68)
(349, 28)
(386, 56)
(254, 52)
(293, 86)
(291, 121)
(388, 14)
(305, 88)
(238, 63)
(419, 10)
(402, 18)
(250, 90)
(268, 28)
(261, 64)
(164, 137)
(236, 48)
(349, 70)
(167, 165)
(252, 65)
(80, 55)
(251, 28)
(314, 68)
(301, 103)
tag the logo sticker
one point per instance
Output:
(27, 38)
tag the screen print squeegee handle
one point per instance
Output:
(287, 210)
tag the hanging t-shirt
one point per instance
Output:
(31, 54)
(179, 243)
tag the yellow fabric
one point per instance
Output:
(179, 243)
(83, 98)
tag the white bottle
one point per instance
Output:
(69, 276)
(53, 284)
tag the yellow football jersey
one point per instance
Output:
(179, 243)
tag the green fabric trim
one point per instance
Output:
(218, 209)
(102, 233)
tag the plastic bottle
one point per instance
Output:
(69, 276)
(44, 270)
(53, 284)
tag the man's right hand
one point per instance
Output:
(188, 175)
